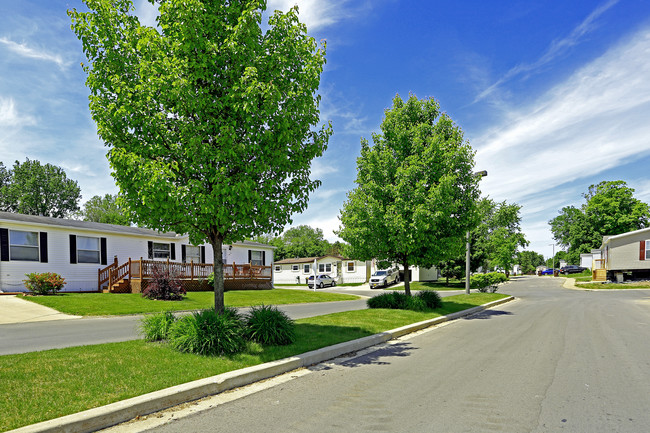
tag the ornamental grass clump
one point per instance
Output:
(267, 325)
(208, 333)
(46, 283)
(431, 299)
(390, 300)
(423, 301)
(155, 327)
(164, 285)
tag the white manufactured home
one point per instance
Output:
(298, 270)
(624, 256)
(80, 250)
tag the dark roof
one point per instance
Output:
(85, 225)
(253, 244)
(305, 259)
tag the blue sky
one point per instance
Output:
(553, 95)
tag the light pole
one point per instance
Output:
(553, 259)
(482, 173)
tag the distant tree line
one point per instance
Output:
(301, 241)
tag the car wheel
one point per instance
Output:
(333, 283)
(385, 283)
(396, 280)
(321, 285)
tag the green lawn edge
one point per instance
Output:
(115, 304)
(44, 385)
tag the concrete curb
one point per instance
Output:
(121, 411)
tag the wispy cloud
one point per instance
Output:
(316, 14)
(557, 48)
(23, 50)
(9, 116)
(320, 168)
(596, 120)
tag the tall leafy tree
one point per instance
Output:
(210, 120)
(610, 208)
(529, 261)
(416, 194)
(505, 236)
(106, 210)
(33, 188)
(304, 241)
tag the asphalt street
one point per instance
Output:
(56, 334)
(553, 360)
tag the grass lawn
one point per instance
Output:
(43, 385)
(583, 276)
(615, 286)
(108, 304)
(433, 285)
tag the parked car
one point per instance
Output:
(572, 269)
(547, 272)
(321, 281)
(384, 277)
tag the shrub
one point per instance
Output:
(391, 300)
(430, 298)
(164, 285)
(45, 283)
(155, 327)
(267, 325)
(208, 333)
(487, 282)
(415, 303)
(210, 279)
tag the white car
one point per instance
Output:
(321, 281)
(384, 277)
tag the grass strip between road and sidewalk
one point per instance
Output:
(432, 285)
(44, 385)
(109, 304)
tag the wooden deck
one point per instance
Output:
(598, 271)
(133, 276)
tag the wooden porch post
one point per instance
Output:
(192, 269)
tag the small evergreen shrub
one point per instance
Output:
(208, 333)
(391, 300)
(431, 299)
(267, 325)
(164, 286)
(155, 327)
(415, 303)
(487, 282)
(45, 283)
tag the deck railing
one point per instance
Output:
(598, 264)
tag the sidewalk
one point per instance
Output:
(16, 310)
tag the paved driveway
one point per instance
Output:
(16, 310)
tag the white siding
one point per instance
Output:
(339, 271)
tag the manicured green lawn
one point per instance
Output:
(43, 385)
(614, 286)
(432, 285)
(107, 304)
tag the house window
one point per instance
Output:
(294, 268)
(350, 266)
(160, 251)
(23, 245)
(324, 267)
(87, 250)
(256, 258)
(192, 254)
(306, 269)
(278, 268)
(647, 250)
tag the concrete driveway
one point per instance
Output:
(16, 310)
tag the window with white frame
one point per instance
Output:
(324, 267)
(350, 266)
(160, 250)
(294, 268)
(278, 268)
(192, 254)
(23, 245)
(257, 258)
(306, 268)
(87, 249)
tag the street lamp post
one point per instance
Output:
(482, 173)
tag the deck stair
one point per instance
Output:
(599, 275)
(121, 286)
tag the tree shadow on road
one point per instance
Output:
(381, 356)
(488, 314)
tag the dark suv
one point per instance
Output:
(572, 269)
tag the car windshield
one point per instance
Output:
(380, 273)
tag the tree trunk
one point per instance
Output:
(407, 277)
(217, 268)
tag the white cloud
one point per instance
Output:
(557, 48)
(33, 53)
(596, 120)
(319, 169)
(316, 14)
(9, 116)
(326, 194)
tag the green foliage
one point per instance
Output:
(529, 261)
(46, 283)
(210, 119)
(300, 241)
(609, 209)
(267, 325)
(35, 189)
(431, 299)
(487, 282)
(423, 301)
(416, 192)
(208, 333)
(155, 327)
(163, 285)
(105, 210)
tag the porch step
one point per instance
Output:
(122, 286)
(599, 275)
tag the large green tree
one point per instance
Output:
(211, 121)
(33, 188)
(304, 241)
(529, 261)
(505, 236)
(610, 208)
(106, 209)
(416, 193)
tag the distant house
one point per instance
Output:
(85, 253)
(624, 256)
(298, 270)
